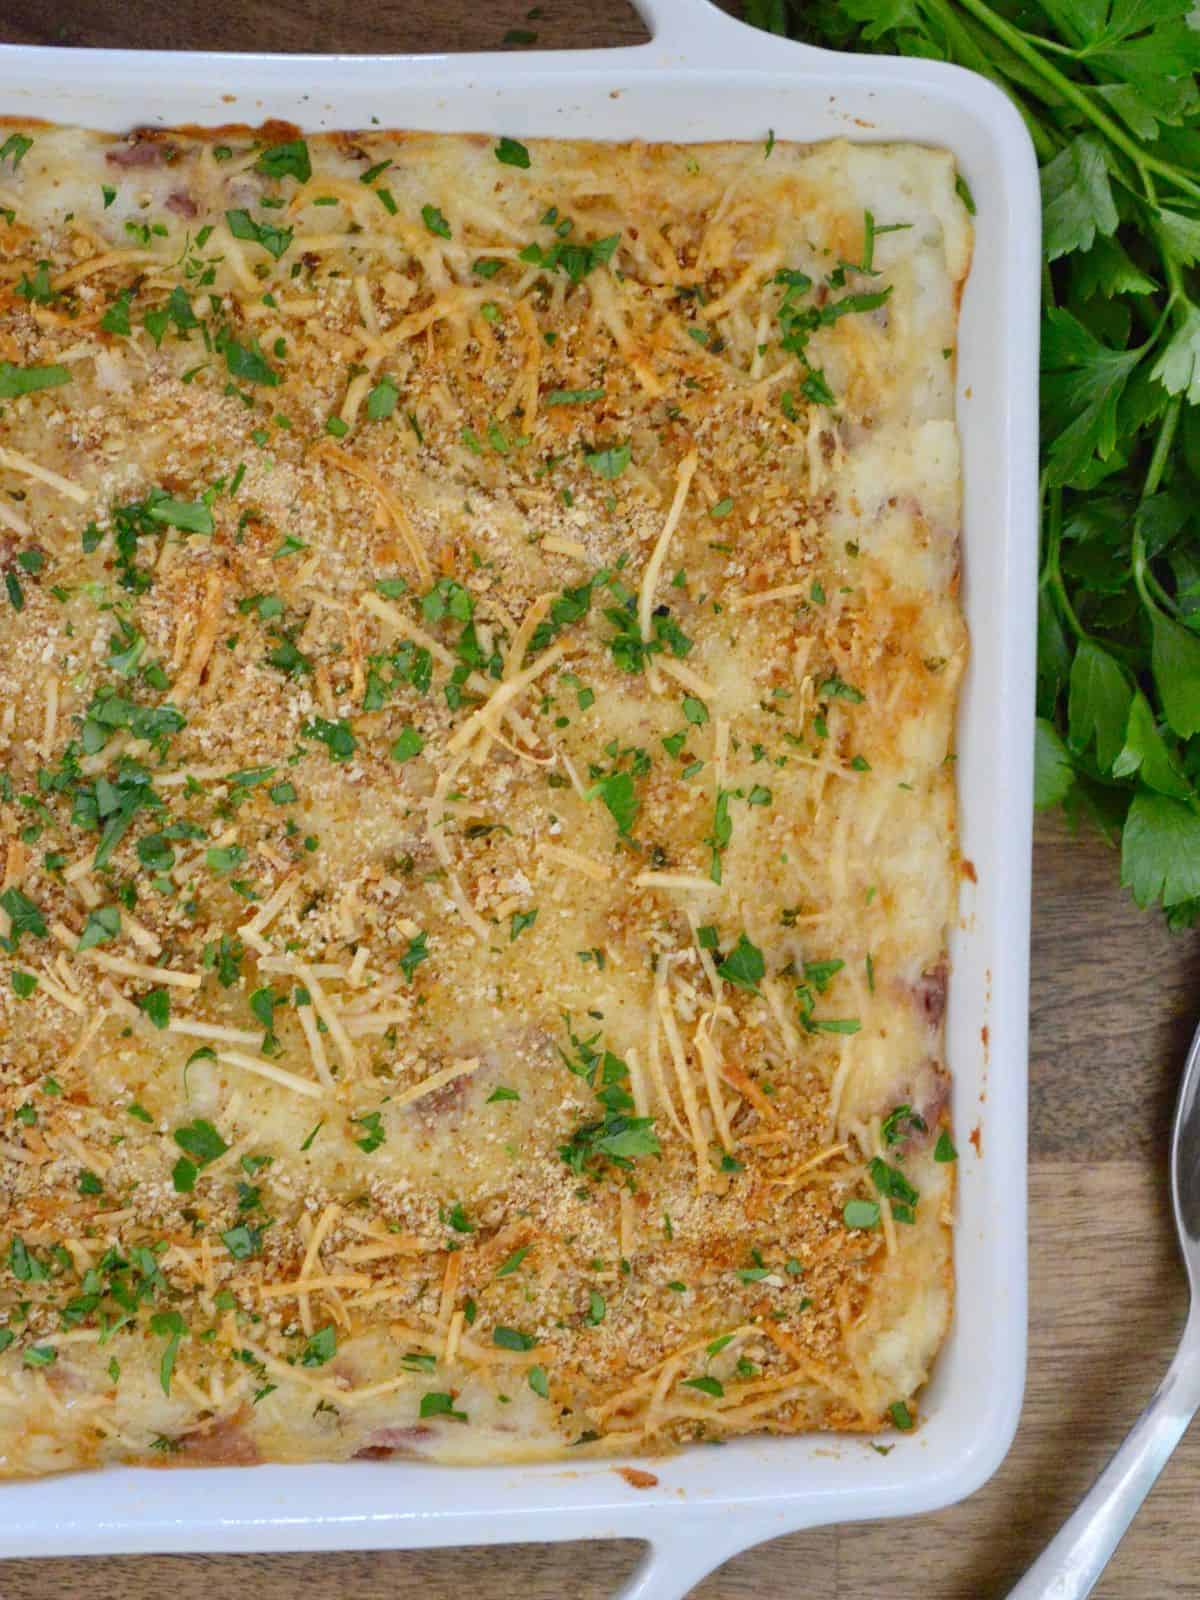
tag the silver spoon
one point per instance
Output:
(1072, 1562)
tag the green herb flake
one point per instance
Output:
(512, 153)
(102, 926)
(944, 1149)
(512, 1339)
(901, 1416)
(275, 241)
(288, 160)
(706, 1385)
(572, 397)
(14, 149)
(410, 743)
(861, 1214)
(510, 1265)
(744, 965)
(611, 461)
(320, 1348)
(435, 1404)
(16, 381)
(157, 1006)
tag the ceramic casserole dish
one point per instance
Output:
(701, 77)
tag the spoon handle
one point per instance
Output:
(1069, 1566)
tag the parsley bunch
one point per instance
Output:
(1108, 91)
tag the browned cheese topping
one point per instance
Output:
(478, 663)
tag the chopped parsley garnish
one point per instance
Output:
(157, 1006)
(15, 148)
(743, 966)
(617, 792)
(418, 951)
(944, 1149)
(512, 1339)
(899, 1121)
(706, 1385)
(890, 1181)
(24, 916)
(576, 260)
(861, 1214)
(16, 381)
(242, 1242)
(37, 289)
(102, 925)
(572, 397)
(275, 241)
(371, 1123)
(201, 1143)
(509, 1266)
(381, 401)
(435, 1404)
(435, 221)
(248, 363)
(512, 153)
(288, 160)
(835, 688)
(610, 461)
(722, 833)
(336, 736)
(320, 1348)
(409, 744)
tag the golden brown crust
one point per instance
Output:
(477, 689)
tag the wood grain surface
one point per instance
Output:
(1113, 1004)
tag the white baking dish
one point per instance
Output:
(702, 77)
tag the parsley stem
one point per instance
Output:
(1051, 571)
(972, 55)
(1167, 601)
(1076, 94)
(1162, 446)
(1158, 462)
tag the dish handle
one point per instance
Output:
(676, 1561)
(701, 32)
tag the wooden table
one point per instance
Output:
(1114, 998)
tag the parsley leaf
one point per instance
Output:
(743, 966)
(274, 241)
(289, 160)
(322, 1347)
(1160, 850)
(1077, 199)
(24, 914)
(611, 461)
(16, 381)
(512, 153)
(618, 794)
